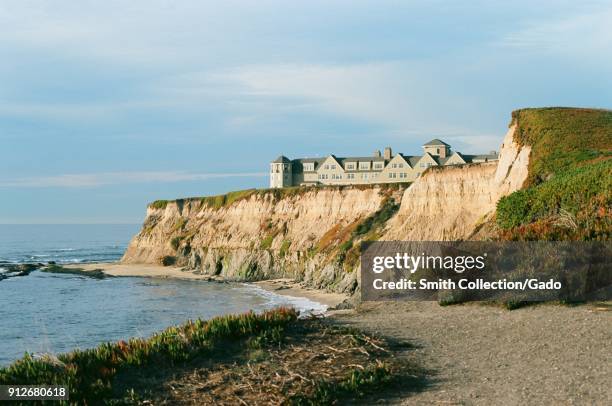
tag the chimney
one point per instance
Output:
(377, 154)
(388, 153)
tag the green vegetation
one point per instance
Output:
(356, 384)
(388, 208)
(268, 358)
(180, 224)
(367, 230)
(568, 192)
(176, 241)
(562, 138)
(284, 248)
(266, 243)
(573, 191)
(92, 374)
(219, 201)
(159, 204)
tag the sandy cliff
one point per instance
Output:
(263, 235)
(307, 234)
(447, 203)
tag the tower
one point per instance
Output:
(437, 147)
(281, 172)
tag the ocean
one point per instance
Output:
(54, 313)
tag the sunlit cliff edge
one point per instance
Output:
(312, 234)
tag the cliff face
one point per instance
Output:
(313, 234)
(448, 203)
(263, 235)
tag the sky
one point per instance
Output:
(107, 105)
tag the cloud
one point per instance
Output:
(403, 98)
(116, 178)
(588, 34)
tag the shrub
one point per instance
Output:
(266, 243)
(167, 260)
(573, 191)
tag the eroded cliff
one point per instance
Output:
(448, 203)
(313, 234)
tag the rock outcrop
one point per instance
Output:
(305, 233)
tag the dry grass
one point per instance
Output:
(309, 364)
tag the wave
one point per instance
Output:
(305, 306)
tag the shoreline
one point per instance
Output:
(282, 286)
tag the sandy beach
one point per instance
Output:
(285, 287)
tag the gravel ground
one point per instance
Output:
(485, 355)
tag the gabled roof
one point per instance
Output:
(405, 158)
(281, 160)
(335, 158)
(460, 155)
(429, 155)
(435, 141)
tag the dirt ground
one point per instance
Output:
(485, 355)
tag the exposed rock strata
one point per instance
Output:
(299, 235)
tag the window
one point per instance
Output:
(422, 165)
(350, 176)
(364, 165)
(374, 175)
(350, 166)
(364, 176)
(378, 165)
(403, 175)
(332, 166)
(326, 166)
(392, 175)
